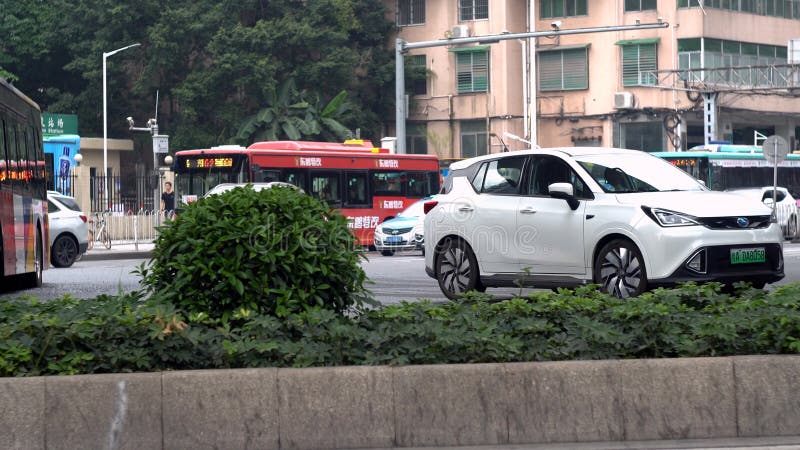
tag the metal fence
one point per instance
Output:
(128, 194)
(130, 228)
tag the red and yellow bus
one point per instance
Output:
(23, 190)
(366, 184)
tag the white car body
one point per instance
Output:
(224, 187)
(785, 210)
(69, 232)
(554, 239)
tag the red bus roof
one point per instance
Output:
(349, 146)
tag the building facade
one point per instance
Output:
(640, 89)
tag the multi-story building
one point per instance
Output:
(634, 89)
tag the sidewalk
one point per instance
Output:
(119, 251)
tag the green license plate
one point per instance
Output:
(748, 255)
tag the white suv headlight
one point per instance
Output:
(667, 218)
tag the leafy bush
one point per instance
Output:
(129, 333)
(275, 251)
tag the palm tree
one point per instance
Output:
(288, 115)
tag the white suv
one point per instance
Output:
(623, 219)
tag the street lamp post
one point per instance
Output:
(105, 122)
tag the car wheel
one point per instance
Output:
(619, 269)
(457, 269)
(387, 252)
(791, 228)
(64, 251)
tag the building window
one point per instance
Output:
(563, 70)
(473, 138)
(787, 9)
(645, 136)
(639, 61)
(473, 10)
(411, 12)
(562, 8)
(640, 5)
(472, 69)
(417, 138)
(418, 75)
(722, 53)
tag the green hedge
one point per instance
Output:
(129, 333)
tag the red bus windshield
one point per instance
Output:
(366, 184)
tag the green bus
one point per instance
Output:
(722, 166)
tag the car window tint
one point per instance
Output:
(503, 175)
(477, 182)
(51, 207)
(70, 203)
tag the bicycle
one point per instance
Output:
(98, 230)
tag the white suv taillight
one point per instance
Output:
(83, 218)
(429, 206)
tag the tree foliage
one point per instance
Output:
(215, 64)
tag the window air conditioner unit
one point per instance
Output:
(459, 31)
(623, 100)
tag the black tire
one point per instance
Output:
(457, 269)
(64, 252)
(619, 269)
(387, 252)
(34, 279)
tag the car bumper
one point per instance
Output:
(406, 241)
(717, 266)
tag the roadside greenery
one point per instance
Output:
(131, 333)
(276, 252)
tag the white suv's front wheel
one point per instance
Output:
(619, 269)
(456, 269)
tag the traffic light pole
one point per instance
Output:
(402, 47)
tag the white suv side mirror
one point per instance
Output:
(564, 191)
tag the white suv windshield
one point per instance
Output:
(632, 172)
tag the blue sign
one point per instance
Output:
(63, 148)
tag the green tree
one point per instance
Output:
(289, 116)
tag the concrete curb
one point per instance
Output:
(520, 405)
(101, 255)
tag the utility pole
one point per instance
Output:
(160, 146)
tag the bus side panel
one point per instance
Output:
(7, 232)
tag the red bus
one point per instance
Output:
(366, 184)
(23, 190)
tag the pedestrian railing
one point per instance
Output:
(130, 228)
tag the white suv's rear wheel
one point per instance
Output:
(456, 269)
(619, 269)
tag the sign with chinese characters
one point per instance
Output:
(388, 164)
(392, 204)
(58, 124)
(161, 143)
(361, 222)
(309, 162)
(208, 163)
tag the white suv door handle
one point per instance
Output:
(466, 209)
(528, 210)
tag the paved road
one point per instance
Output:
(393, 279)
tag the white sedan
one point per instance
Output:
(786, 208)
(69, 232)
